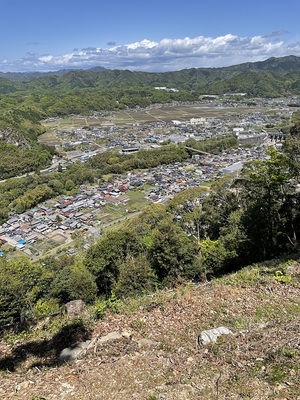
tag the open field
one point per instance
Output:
(57, 237)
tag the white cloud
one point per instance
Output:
(46, 59)
(165, 55)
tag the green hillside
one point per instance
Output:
(271, 71)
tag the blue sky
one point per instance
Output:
(43, 35)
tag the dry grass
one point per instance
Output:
(259, 361)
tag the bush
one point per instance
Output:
(100, 308)
(74, 282)
(45, 308)
(135, 277)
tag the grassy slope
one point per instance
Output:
(260, 360)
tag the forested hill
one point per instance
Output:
(270, 78)
(29, 76)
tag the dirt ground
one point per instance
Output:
(259, 360)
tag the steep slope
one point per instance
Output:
(158, 357)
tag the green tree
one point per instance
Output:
(213, 256)
(172, 253)
(144, 224)
(292, 150)
(74, 282)
(264, 188)
(187, 209)
(22, 283)
(104, 257)
(69, 185)
(136, 277)
(223, 199)
(57, 185)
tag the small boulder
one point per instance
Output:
(211, 335)
(71, 353)
(109, 337)
(75, 307)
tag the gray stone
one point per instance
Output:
(211, 335)
(71, 353)
(110, 336)
(75, 307)
(127, 335)
(294, 269)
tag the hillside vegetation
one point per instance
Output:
(158, 357)
(282, 71)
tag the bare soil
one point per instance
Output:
(260, 360)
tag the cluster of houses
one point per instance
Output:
(145, 135)
(83, 210)
(67, 214)
(169, 180)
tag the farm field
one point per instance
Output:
(128, 117)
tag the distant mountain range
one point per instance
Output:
(270, 78)
(29, 76)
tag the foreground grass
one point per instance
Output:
(260, 360)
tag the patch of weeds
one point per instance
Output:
(46, 307)
(236, 322)
(139, 326)
(288, 353)
(279, 364)
(216, 348)
(284, 312)
(282, 277)
(244, 391)
(261, 273)
(150, 302)
(100, 308)
(37, 397)
(10, 337)
(293, 308)
(239, 322)
(259, 314)
(152, 397)
(166, 345)
(151, 305)
(131, 305)
(269, 312)
(245, 277)
(277, 374)
(114, 304)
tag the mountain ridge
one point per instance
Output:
(274, 77)
(274, 64)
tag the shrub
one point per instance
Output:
(45, 308)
